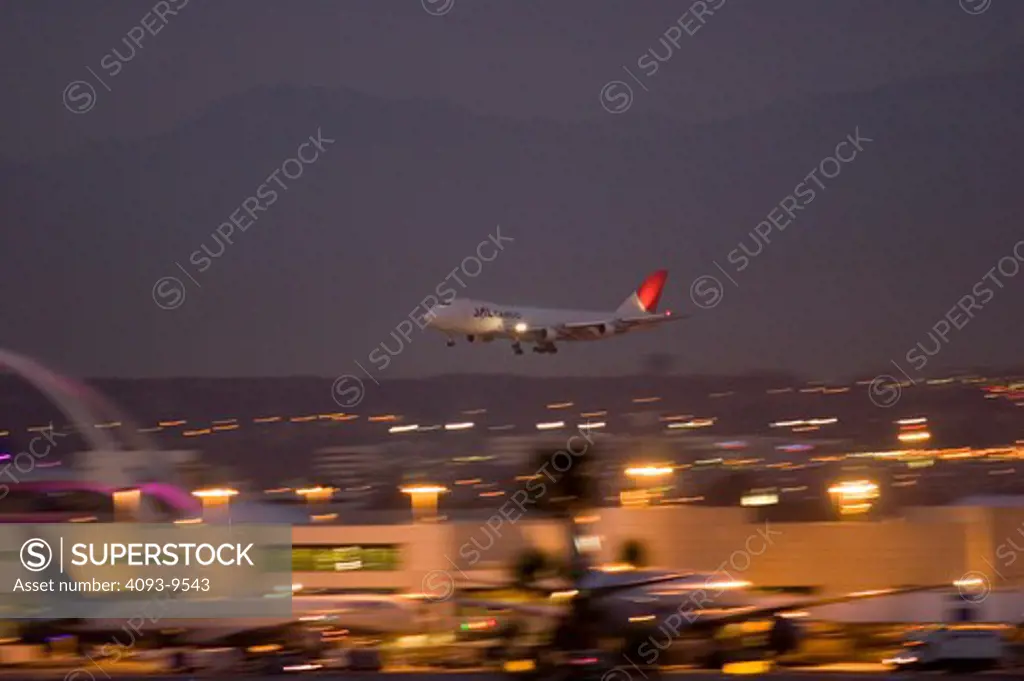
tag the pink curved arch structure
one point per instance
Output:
(82, 405)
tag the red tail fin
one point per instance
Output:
(645, 299)
(649, 292)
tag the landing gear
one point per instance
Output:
(517, 348)
(450, 342)
(546, 347)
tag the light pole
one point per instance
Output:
(317, 495)
(424, 501)
(646, 479)
(126, 505)
(215, 501)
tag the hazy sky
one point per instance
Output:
(533, 62)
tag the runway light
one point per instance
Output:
(914, 436)
(464, 425)
(973, 581)
(404, 429)
(550, 425)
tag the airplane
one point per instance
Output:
(482, 321)
(606, 616)
(619, 615)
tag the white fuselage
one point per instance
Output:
(492, 320)
(685, 596)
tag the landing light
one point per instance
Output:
(521, 327)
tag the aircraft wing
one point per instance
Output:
(619, 324)
(716, 617)
(541, 610)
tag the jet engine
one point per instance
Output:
(607, 329)
(548, 334)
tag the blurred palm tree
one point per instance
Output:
(532, 565)
(633, 552)
(565, 482)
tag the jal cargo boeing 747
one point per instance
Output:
(482, 322)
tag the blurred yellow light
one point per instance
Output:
(648, 471)
(751, 667)
(518, 666)
(424, 489)
(914, 436)
(215, 493)
(729, 585)
(521, 327)
(855, 489)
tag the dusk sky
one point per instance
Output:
(606, 139)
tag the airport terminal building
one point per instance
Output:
(936, 545)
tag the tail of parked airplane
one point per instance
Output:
(645, 299)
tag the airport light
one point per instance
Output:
(317, 492)
(215, 500)
(464, 425)
(550, 425)
(648, 471)
(403, 429)
(645, 477)
(854, 497)
(424, 500)
(914, 436)
(692, 423)
(762, 499)
(314, 495)
(126, 505)
(218, 493)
